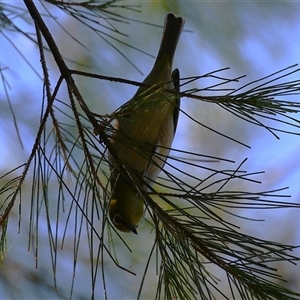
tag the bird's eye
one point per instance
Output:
(118, 219)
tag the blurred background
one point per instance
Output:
(253, 38)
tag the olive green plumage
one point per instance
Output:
(145, 128)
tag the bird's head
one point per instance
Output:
(126, 207)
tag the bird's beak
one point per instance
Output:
(131, 227)
(134, 230)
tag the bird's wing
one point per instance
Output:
(176, 82)
(161, 148)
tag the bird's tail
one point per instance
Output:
(172, 30)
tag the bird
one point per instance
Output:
(143, 133)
